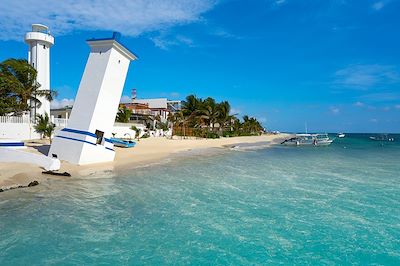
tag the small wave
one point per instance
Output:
(249, 146)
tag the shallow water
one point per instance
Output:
(326, 205)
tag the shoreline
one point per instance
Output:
(147, 152)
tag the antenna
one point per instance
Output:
(305, 124)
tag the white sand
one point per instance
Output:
(146, 151)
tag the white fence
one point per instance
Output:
(17, 127)
(15, 119)
(22, 128)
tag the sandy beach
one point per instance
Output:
(146, 151)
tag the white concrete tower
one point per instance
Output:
(87, 138)
(40, 41)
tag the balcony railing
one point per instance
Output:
(16, 119)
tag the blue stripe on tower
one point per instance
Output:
(79, 132)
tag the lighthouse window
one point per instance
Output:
(119, 61)
(44, 46)
(99, 136)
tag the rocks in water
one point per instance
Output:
(56, 173)
(33, 183)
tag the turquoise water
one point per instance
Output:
(327, 205)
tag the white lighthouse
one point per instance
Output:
(40, 41)
(87, 138)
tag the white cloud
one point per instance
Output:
(235, 111)
(379, 5)
(125, 99)
(130, 17)
(380, 97)
(220, 32)
(171, 95)
(55, 104)
(397, 106)
(262, 119)
(366, 76)
(165, 41)
(359, 104)
(175, 94)
(373, 120)
(334, 110)
(279, 2)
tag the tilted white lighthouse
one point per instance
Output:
(87, 138)
(40, 41)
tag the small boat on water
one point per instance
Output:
(123, 143)
(341, 135)
(381, 137)
(308, 140)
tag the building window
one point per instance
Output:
(59, 116)
(44, 46)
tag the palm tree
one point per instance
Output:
(124, 115)
(44, 126)
(18, 78)
(190, 105)
(225, 119)
(180, 119)
(251, 125)
(137, 132)
(209, 113)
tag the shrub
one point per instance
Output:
(212, 135)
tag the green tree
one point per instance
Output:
(124, 115)
(225, 118)
(19, 90)
(191, 105)
(44, 126)
(137, 132)
(210, 112)
(251, 125)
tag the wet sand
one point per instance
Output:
(146, 151)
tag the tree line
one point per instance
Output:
(211, 119)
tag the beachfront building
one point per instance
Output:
(61, 113)
(86, 139)
(143, 109)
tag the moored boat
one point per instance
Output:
(382, 137)
(308, 140)
(123, 143)
(341, 135)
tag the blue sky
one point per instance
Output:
(334, 64)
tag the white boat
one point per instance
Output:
(382, 137)
(308, 140)
(341, 135)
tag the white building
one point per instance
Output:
(159, 106)
(40, 41)
(87, 137)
